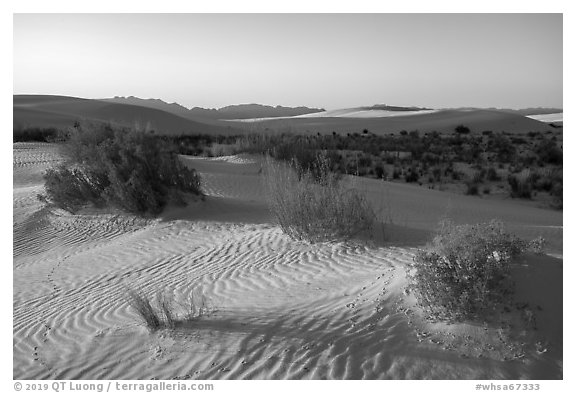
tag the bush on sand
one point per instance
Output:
(313, 204)
(465, 272)
(128, 169)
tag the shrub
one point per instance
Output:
(492, 175)
(471, 188)
(165, 313)
(456, 175)
(131, 170)
(462, 129)
(380, 171)
(520, 187)
(549, 152)
(412, 176)
(314, 205)
(71, 188)
(34, 134)
(557, 195)
(465, 271)
(365, 161)
(478, 176)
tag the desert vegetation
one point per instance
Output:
(488, 164)
(34, 134)
(465, 272)
(164, 312)
(312, 204)
(123, 168)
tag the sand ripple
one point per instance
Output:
(281, 309)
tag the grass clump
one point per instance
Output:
(134, 171)
(165, 312)
(465, 272)
(313, 204)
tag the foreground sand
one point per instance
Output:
(281, 309)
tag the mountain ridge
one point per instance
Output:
(239, 111)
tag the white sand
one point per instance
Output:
(282, 309)
(346, 113)
(549, 117)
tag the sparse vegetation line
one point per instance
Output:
(486, 163)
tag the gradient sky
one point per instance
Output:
(321, 60)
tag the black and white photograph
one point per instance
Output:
(287, 196)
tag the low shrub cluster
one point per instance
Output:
(35, 134)
(124, 168)
(465, 272)
(313, 204)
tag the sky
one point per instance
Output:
(318, 60)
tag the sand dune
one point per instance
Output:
(61, 111)
(549, 117)
(385, 122)
(281, 309)
(346, 113)
(57, 111)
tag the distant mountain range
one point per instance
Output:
(242, 111)
(384, 107)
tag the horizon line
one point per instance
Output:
(286, 106)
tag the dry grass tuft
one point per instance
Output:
(165, 312)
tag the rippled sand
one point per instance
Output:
(280, 309)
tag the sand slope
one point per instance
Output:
(59, 111)
(281, 309)
(385, 122)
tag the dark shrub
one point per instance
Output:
(520, 187)
(412, 176)
(549, 152)
(437, 173)
(557, 194)
(34, 134)
(127, 169)
(365, 161)
(71, 188)
(379, 171)
(478, 176)
(501, 145)
(465, 271)
(461, 129)
(471, 188)
(492, 175)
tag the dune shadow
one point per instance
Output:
(220, 209)
(387, 234)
